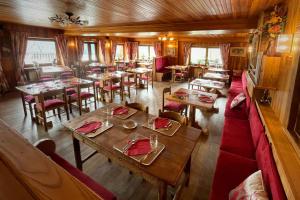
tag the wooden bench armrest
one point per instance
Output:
(46, 145)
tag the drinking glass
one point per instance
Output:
(150, 122)
(153, 141)
(108, 115)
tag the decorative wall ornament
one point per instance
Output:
(68, 18)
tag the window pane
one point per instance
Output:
(119, 52)
(152, 53)
(93, 52)
(40, 51)
(198, 55)
(214, 56)
(143, 52)
(85, 56)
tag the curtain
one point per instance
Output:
(157, 49)
(225, 49)
(134, 50)
(101, 46)
(3, 82)
(113, 51)
(187, 52)
(127, 46)
(18, 45)
(80, 46)
(61, 42)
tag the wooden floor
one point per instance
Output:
(112, 176)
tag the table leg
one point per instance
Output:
(187, 170)
(77, 153)
(162, 193)
(23, 102)
(173, 75)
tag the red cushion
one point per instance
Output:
(46, 79)
(174, 106)
(161, 63)
(266, 164)
(97, 83)
(236, 138)
(239, 112)
(113, 87)
(231, 170)
(51, 103)
(234, 90)
(29, 99)
(244, 81)
(97, 188)
(256, 126)
(83, 95)
(70, 91)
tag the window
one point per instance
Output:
(214, 56)
(89, 52)
(40, 51)
(146, 52)
(210, 56)
(119, 52)
(198, 55)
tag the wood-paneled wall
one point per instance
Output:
(7, 60)
(282, 97)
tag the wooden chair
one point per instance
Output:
(52, 103)
(66, 75)
(114, 85)
(174, 116)
(129, 83)
(80, 96)
(182, 74)
(172, 105)
(137, 106)
(146, 78)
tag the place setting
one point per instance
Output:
(162, 125)
(121, 112)
(142, 149)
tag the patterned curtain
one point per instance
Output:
(113, 51)
(225, 49)
(187, 52)
(19, 44)
(80, 46)
(134, 50)
(3, 82)
(157, 48)
(101, 46)
(61, 42)
(127, 46)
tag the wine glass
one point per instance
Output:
(153, 141)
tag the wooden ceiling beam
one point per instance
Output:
(220, 24)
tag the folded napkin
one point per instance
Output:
(120, 110)
(206, 99)
(140, 147)
(161, 122)
(89, 127)
(181, 94)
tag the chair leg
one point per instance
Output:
(45, 121)
(95, 103)
(54, 112)
(58, 112)
(80, 107)
(31, 111)
(67, 111)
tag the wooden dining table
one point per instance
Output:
(175, 68)
(207, 84)
(216, 76)
(218, 70)
(192, 99)
(172, 164)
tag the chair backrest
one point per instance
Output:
(174, 116)
(46, 145)
(138, 106)
(165, 90)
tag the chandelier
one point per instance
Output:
(165, 37)
(68, 18)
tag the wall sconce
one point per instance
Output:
(71, 44)
(107, 44)
(250, 49)
(284, 43)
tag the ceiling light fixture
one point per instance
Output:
(68, 18)
(165, 37)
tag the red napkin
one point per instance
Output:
(161, 122)
(141, 147)
(181, 94)
(206, 99)
(89, 127)
(120, 110)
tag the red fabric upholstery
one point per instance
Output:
(236, 138)
(113, 87)
(244, 81)
(29, 99)
(174, 106)
(70, 91)
(256, 126)
(266, 163)
(161, 63)
(231, 170)
(97, 83)
(98, 189)
(83, 95)
(239, 112)
(46, 79)
(51, 103)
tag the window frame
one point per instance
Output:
(44, 39)
(89, 52)
(147, 45)
(120, 44)
(206, 52)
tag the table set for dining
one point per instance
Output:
(144, 144)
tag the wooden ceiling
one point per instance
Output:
(121, 16)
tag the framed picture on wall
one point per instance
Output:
(238, 51)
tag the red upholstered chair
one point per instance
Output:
(28, 100)
(182, 74)
(111, 68)
(129, 83)
(66, 75)
(113, 85)
(146, 78)
(172, 105)
(83, 94)
(45, 78)
(58, 100)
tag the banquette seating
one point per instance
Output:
(160, 70)
(244, 149)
